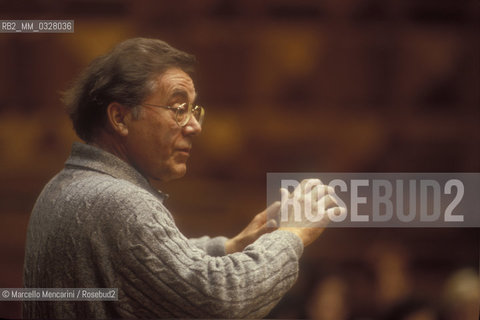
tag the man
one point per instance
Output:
(100, 224)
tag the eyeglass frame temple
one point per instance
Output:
(189, 106)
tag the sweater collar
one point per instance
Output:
(93, 158)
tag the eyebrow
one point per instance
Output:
(182, 94)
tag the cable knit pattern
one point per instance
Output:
(100, 224)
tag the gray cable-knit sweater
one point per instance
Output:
(100, 224)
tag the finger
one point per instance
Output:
(324, 203)
(310, 181)
(306, 186)
(336, 211)
(330, 190)
(273, 211)
(319, 191)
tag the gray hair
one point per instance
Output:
(125, 75)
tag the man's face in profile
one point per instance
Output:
(156, 145)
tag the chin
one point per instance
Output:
(179, 175)
(176, 172)
(170, 173)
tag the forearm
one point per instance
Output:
(246, 284)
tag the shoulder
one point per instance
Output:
(91, 183)
(89, 192)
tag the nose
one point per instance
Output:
(192, 128)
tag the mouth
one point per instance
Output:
(184, 151)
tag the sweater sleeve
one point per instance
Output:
(212, 246)
(161, 273)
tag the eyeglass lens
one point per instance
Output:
(184, 112)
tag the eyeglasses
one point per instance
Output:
(184, 112)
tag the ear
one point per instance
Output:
(118, 117)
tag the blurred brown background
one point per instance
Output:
(289, 86)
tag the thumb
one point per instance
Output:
(273, 208)
(284, 194)
(272, 214)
